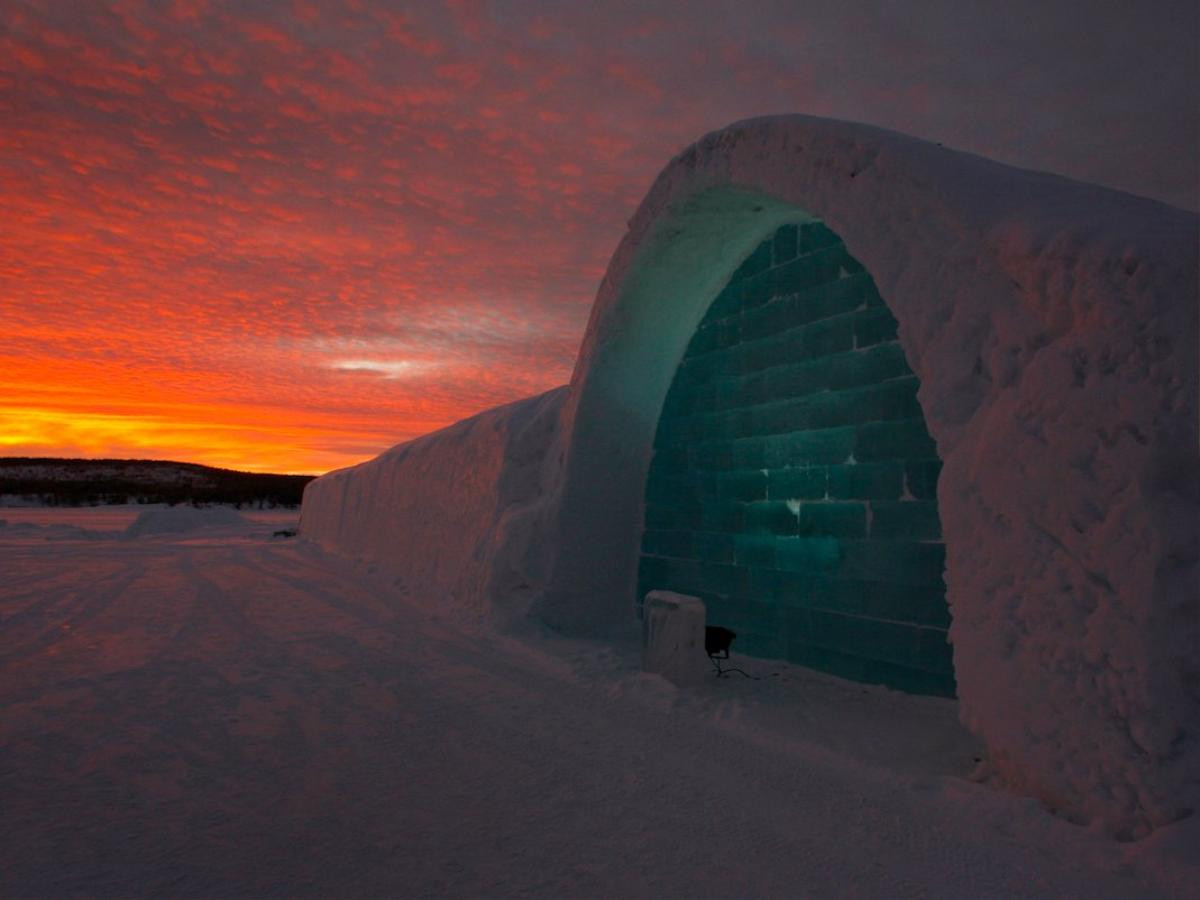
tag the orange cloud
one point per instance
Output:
(286, 236)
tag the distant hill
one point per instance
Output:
(88, 482)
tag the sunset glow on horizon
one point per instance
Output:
(284, 237)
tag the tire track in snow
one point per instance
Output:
(392, 754)
(76, 608)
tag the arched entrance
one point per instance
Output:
(1053, 328)
(793, 481)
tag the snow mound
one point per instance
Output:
(178, 519)
(50, 532)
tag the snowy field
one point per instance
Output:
(118, 518)
(189, 706)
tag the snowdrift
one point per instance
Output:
(179, 519)
(1053, 327)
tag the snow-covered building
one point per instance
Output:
(893, 411)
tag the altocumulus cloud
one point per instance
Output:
(207, 203)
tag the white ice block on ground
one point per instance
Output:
(673, 637)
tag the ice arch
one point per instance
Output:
(793, 481)
(1053, 328)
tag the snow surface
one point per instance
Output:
(132, 520)
(118, 517)
(96, 518)
(1053, 326)
(217, 713)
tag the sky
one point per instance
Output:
(284, 236)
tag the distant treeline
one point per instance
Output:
(92, 482)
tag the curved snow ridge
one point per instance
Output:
(1053, 327)
(455, 516)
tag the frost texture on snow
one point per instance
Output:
(1053, 326)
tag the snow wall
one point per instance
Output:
(457, 518)
(1053, 328)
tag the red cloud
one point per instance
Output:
(210, 208)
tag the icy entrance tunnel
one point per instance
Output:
(1053, 327)
(793, 480)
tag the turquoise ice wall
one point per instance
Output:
(793, 480)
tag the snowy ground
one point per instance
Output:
(218, 712)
